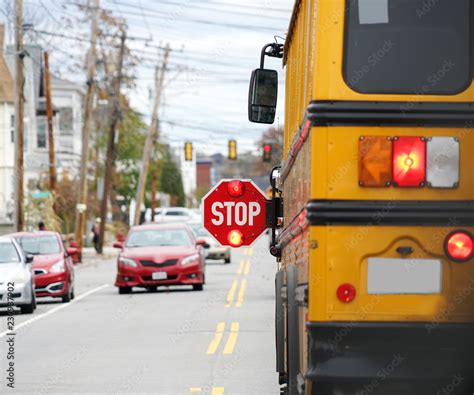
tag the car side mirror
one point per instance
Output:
(263, 96)
(118, 245)
(203, 244)
(29, 258)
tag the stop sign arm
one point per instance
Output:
(274, 210)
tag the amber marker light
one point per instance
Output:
(375, 161)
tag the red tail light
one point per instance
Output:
(346, 293)
(235, 188)
(235, 238)
(409, 161)
(459, 246)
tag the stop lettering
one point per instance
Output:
(235, 212)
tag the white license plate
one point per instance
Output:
(159, 276)
(404, 276)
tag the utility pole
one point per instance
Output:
(86, 131)
(49, 113)
(109, 164)
(19, 115)
(152, 135)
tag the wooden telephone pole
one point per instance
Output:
(49, 113)
(152, 135)
(109, 165)
(19, 116)
(88, 115)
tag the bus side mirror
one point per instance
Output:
(263, 96)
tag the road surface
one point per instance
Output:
(174, 341)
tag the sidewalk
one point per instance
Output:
(88, 254)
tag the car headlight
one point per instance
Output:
(190, 259)
(127, 262)
(58, 267)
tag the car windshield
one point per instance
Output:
(176, 213)
(40, 245)
(8, 253)
(159, 238)
(408, 46)
(199, 230)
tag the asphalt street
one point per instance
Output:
(173, 341)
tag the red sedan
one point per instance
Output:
(160, 254)
(52, 265)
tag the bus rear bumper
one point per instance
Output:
(390, 358)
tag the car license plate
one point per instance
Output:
(404, 276)
(159, 276)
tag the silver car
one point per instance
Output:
(215, 250)
(16, 277)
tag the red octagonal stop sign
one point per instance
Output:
(235, 212)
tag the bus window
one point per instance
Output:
(406, 47)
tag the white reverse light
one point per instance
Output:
(442, 162)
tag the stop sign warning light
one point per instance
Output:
(235, 212)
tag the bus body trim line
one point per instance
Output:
(354, 113)
(394, 213)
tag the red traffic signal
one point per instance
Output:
(267, 153)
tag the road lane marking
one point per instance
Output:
(55, 310)
(241, 267)
(214, 344)
(215, 390)
(240, 299)
(231, 294)
(232, 340)
(247, 267)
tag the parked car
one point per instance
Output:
(216, 250)
(160, 254)
(174, 214)
(53, 266)
(16, 276)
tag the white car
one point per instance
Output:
(174, 214)
(16, 277)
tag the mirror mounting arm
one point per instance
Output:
(272, 50)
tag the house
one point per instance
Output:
(67, 99)
(7, 131)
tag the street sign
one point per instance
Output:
(235, 212)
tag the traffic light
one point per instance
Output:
(267, 153)
(188, 152)
(232, 150)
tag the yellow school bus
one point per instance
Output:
(375, 288)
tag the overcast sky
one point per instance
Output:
(216, 44)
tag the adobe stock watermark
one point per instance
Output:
(10, 338)
(383, 374)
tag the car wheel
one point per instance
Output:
(125, 290)
(227, 261)
(73, 294)
(67, 298)
(198, 287)
(29, 308)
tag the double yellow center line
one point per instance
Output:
(214, 391)
(244, 269)
(219, 335)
